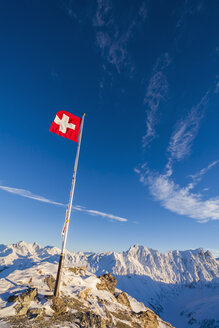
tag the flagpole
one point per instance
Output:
(68, 215)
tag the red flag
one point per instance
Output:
(66, 125)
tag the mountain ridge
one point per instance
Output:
(175, 267)
(182, 287)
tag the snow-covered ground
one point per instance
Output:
(23, 273)
(193, 305)
(182, 287)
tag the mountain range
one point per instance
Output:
(182, 287)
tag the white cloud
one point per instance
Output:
(156, 91)
(113, 33)
(197, 177)
(99, 213)
(27, 194)
(180, 200)
(186, 130)
(157, 88)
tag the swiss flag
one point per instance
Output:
(66, 125)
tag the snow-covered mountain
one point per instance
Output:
(180, 286)
(173, 267)
(86, 301)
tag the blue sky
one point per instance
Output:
(146, 74)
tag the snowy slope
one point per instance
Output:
(180, 286)
(79, 291)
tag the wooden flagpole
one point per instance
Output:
(62, 255)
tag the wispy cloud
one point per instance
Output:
(103, 14)
(99, 213)
(113, 33)
(28, 194)
(198, 176)
(157, 87)
(190, 7)
(180, 200)
(186, 130)
(114, 25)
(156, 91)
(188, 11)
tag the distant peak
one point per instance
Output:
(137, 247)
(21, 243)
(24, 244)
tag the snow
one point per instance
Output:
(162, 325)
(194, 305)
(135, 305)
(180, 286)
(16, 278)
(170, 267)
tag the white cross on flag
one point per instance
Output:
(66, 125)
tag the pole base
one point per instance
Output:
(59, 274)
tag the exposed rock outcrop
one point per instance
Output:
(123, 299)
(84, 302)
(91, 320)
(81, 270)
(35, 313)
(58, 305)
(108, 282)
(50, 281)
(23, 300)
(148, 319)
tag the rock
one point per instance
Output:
(121, 324)
(109, 320)
(81, 271)
(23, 300)
(74, 303)
(24, 297)
(35, 313)
(108, 282)
(148, 319)
(122, 315)
(21, 309)
(50, 281)
(84, 293)
(91, 320)
(58, 305)
(122, 298)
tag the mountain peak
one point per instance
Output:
(22, 243)
(173, 267)
(142, 272)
